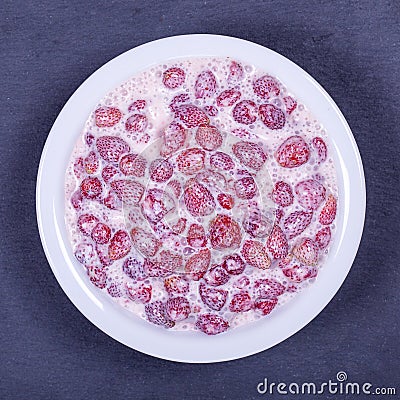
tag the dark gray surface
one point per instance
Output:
(48, 350)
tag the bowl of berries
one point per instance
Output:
(200, 198)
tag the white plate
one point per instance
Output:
(189, 346)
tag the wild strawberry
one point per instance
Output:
(250, 154)
(205, 85)
(137, 105)
(211, 111)
(224, 232)
(282, 194)
(156, 205)
(272, 116)
(255, 254)
(191, 116)
(160, 170)
(295, 271)
(169, 260)
(107, 116)
(277, 243)
(179, 226)
(211, 324)
(91, 188)
(216, 276)
(178, 100)
(328, 212)
(211, 179)
(140, 294)
(86, 223)
(112, 202)
(323, 237)
(191, 161)
(176, 285)
(101, 233)
(91, 163)
(293, 152)
(256, 224)
(102, 253)
(128, 191)
(144, 242)
(265, 306)
(177, 308)
(228, 98)
(310, 194)
(120, 245)
(242, 282)
(213, 298)
(84, 253)
(156, 313)
(241, 302)
(296, 222)
(136, 123)
(133, 164)
(174, 137)
(320, 148)
(97, 276)
(236, 72)
(115, 289)
(290, 104)
(108, 172)
(134, 268)
(222, 161)
(198, 199)
(208, 137)
(173, 77)
(234, 264)
(266, 87)
(79, 168)
(246, 188)
(306, 251)
(268, 288)
(111, 148)
(226, 201)
(197, 264)
(196, 236)
(245, 112)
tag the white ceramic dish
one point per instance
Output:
(192, 346)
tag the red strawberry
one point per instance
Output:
(205, 85)
(272, 116)
(91, 188)
(222, 161)
(242, 282)
(84, 253)
(208, 137)
(91, 163)
(180, 99)
(328, 212)
(79, 168)
(211, 111)
(213, 298)
(216, 276)
(245, 112)
(197, 264)
(295, 271)
(115, 289)
(293, 152)
(241, 302)
(246, 188)
(173, 77)
(290, 104)
(128, 191)
(144, 242)
(112, 202)
(266, 87)
(86, 223)
(282, 194)
(97, 275)
(107, 116)
(306, 251)
(156, 205)
(141, 293)
(160, 170)
(198, 199)
(323, 237)
(136, 123)
(111, 148)
(255, 254)
(133, 268)
(176, 285)
(250, 154)
(108, 172)
(268, 288)
(137, 105)
(228, 98)
(236, 72)
(265, 306)
(277, 243)
(224, 232)
(310, 194)
(196, 236)
(156, 313)
(102, 253)
(174, 137)
(178, 308)
(170, 261)
(101, 233)
(191, 161)
(319, 146)
(296, 222)
(211, 324)
(155, 269)
(226, 201)
(133, 164)
(120, 245)
(234, 264)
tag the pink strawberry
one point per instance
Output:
(97, 276)
(156, 205)
(133, 268)
(272, 116)
(319, 146)
(101, 233)
(234, 264)
(174, 187)
(216, 276)
(179, 226)
(208, 137)
(323, 237)
(136, 123)
(191, 161)
(328, 212)
(197, 264)
(144, 242)
(295, 271)
(211, 179)
(205, 85)
(160, 170)
(255, 254)
(293, 152)
(245, 112)
(107, 116)
(213, 298)
(242, 282)
(241, 302)
(228, 98)
(306, 251)
(137, 105)
(84, 253)
(128, 191)
(310, 194)
(246, 188)
(224, 232)
(211, 111)
(225, 200)
(112, 202)
(86, 223)
(174, 137)
(91, 188)
(265, 306)
(277, 243)
(250, 154)
(296, 222)
(120, 245)
(196, 236)
(176, 285)
(141, 293)
(108, 172)
(178, 100)
(236, 72)
(256, 224)
(133, 164)
(198, 199)
(177, 308)
(155, 269)
(115, 289)
(222, 161)
(266, 87)
(156, 313)
(211, 324)
(282, 194)
(290, 104)
(91, 163)
(268, 288)
(173, 77)
(111, 148)
(102, 253)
